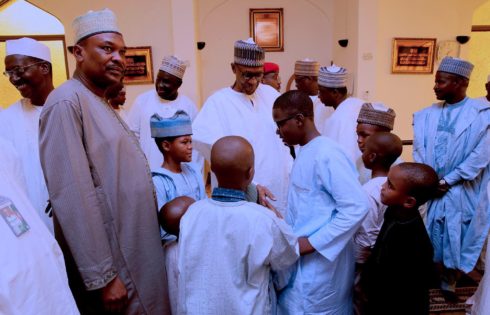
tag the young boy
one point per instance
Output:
(228, 246)
(397, 275)
(380, 150)
(325, 207)
(170, 217)
(178, 176)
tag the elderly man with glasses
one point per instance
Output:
(245, 109)
(28, 68)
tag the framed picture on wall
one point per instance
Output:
(267, 28)
(139, 65)
(413, 55)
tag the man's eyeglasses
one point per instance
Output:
(281, 122)
(20, 70)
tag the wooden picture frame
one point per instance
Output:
(139, 65)
(267, 28)
(413, 55)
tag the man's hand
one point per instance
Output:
(442, 189)
(115, 296)
(305, 246)
(265, 193)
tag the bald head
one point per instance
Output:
(232, 161)
(387, 146)
(172, 212)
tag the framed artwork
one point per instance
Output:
(139, 65)
(267, 28)
(413, 55)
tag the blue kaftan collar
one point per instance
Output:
(227, 195)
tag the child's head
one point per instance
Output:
(409, 185)
(373, 118)
(173, 135)
(293, 111)
(232, 161)
(172, 212)
(381, 150)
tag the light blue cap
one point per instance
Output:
(178, 125)
(456, 66)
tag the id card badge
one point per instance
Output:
(13, 217)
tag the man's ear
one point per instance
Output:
(233, 67)
(78, 52)
(372, 157)
(165, 145)
(44, 68)
(410, 202)
(250, 173)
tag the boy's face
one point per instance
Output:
(180, 149)
(287, 127)
(363, 131)
(368, 155)
(394, 190)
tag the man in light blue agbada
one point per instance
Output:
(325, 207)
(452, 136)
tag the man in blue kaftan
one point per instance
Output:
(453, 137)
(326, 205)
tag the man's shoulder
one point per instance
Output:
(12, 109)
(428, 109)
(67, 91)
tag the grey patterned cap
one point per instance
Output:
(332, 77)
(456, 66)
(174, 66)
(249, 54)
(94, 22)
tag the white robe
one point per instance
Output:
(32, 273)
(144, 107)
(19, 124)
(322, 112)
(227, 113)
(226, 253)
(326, 204)
(366, 236)
(341, 128)
(121, 111)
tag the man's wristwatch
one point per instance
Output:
(443, 182)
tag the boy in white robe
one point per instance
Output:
(170, 217)
(228, 246)
(163, 100)
(326, 205)
(28, 67)
(380, 151)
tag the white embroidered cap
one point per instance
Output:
(94, 22)
(28, 47)
(174, 66)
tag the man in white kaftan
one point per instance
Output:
(164, 100)
(341, 126)
(33, 271)
(28, 65)
(453, 137)
(245, 109)
(306, 80)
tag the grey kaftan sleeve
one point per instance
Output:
(75, 194)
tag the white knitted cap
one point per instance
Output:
(94, 22)
(28, 47)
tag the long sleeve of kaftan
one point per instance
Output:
(477, 160)
(351, 205)
(72, 183)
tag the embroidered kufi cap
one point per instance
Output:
(249, 54)
(174, 66)
(94, 22)
(456, 66)
(28, 47)
(306, 67)
(178, 125)
(377, 114)
(332, 77)
(270, 67)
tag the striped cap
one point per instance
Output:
(332, 77)
(178, 125)
(456, 66)
(376, 114)
(249, 54)
(306, 67)
(174, 66)
(93, 23)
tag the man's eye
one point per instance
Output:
(107, 49)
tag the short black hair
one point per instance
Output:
(159, 141)
(421, 179)
(295, 101)
(387, 146)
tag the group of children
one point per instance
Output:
(229, 255)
